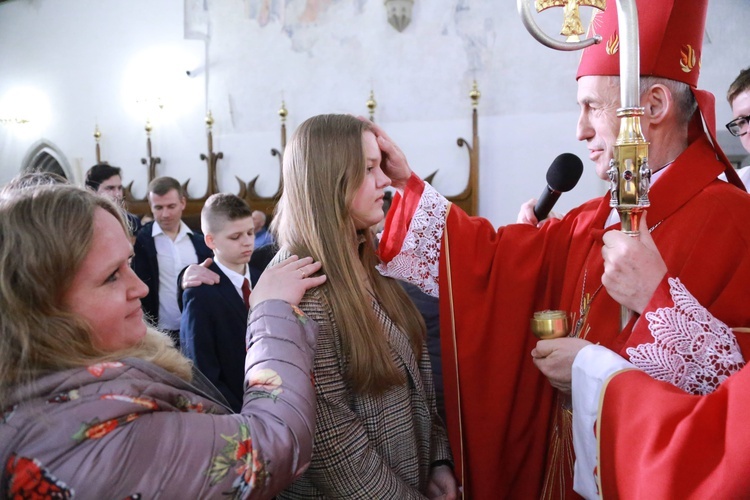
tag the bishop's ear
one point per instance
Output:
(658, 102)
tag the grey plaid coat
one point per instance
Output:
(369, 446)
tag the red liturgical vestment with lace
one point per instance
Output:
(508, 430)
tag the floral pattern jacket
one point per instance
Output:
(129, 429)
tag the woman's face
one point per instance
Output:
(105, 291)
(367, 206)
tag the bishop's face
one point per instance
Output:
(598, 124)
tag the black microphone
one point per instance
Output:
(562, 176)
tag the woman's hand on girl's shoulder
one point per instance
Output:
(288, 281)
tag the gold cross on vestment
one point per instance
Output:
(572, 26)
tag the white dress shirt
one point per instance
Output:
(172, 257)
(236, 278)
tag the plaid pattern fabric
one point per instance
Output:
(369, 446)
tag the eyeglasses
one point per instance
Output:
(738, 126)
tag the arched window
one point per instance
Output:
(46, 157)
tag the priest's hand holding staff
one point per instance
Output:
(633, 267)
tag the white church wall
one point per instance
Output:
(92, 60)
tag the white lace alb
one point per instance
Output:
(418, 261)
(691, 350)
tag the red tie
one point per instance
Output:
(246, 292)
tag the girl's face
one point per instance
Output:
(367, 205)
(105, 291)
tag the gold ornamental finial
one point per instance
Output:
(148, 128)
(474, 95)
(282, 111)
(98, 148)
(209, 120)
(572, 26)
(371, 105)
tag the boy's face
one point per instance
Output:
(234, 243)
(741, 107)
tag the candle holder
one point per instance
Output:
(371, 105)
(97, 138)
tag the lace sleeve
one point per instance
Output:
(419, 258)
(692, 350)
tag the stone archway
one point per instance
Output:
(46, 157)
(45, 162)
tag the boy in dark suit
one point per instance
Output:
(214, 317)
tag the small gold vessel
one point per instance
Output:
(550, 324)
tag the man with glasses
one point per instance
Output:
(738, 96)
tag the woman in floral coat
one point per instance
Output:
(95, 405)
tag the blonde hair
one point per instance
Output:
(45, 234)
(324, 165)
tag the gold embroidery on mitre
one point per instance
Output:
(596, 22)
(687, 58)
(572, 26)
(613, 44)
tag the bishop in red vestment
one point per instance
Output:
(510, 430)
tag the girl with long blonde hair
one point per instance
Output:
(377, 433)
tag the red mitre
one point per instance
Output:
(671, 43)
(671, 40)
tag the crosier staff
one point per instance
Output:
(629, 174)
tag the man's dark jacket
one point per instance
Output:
(146, 266)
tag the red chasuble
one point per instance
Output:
(655, 441)
(509, 431)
